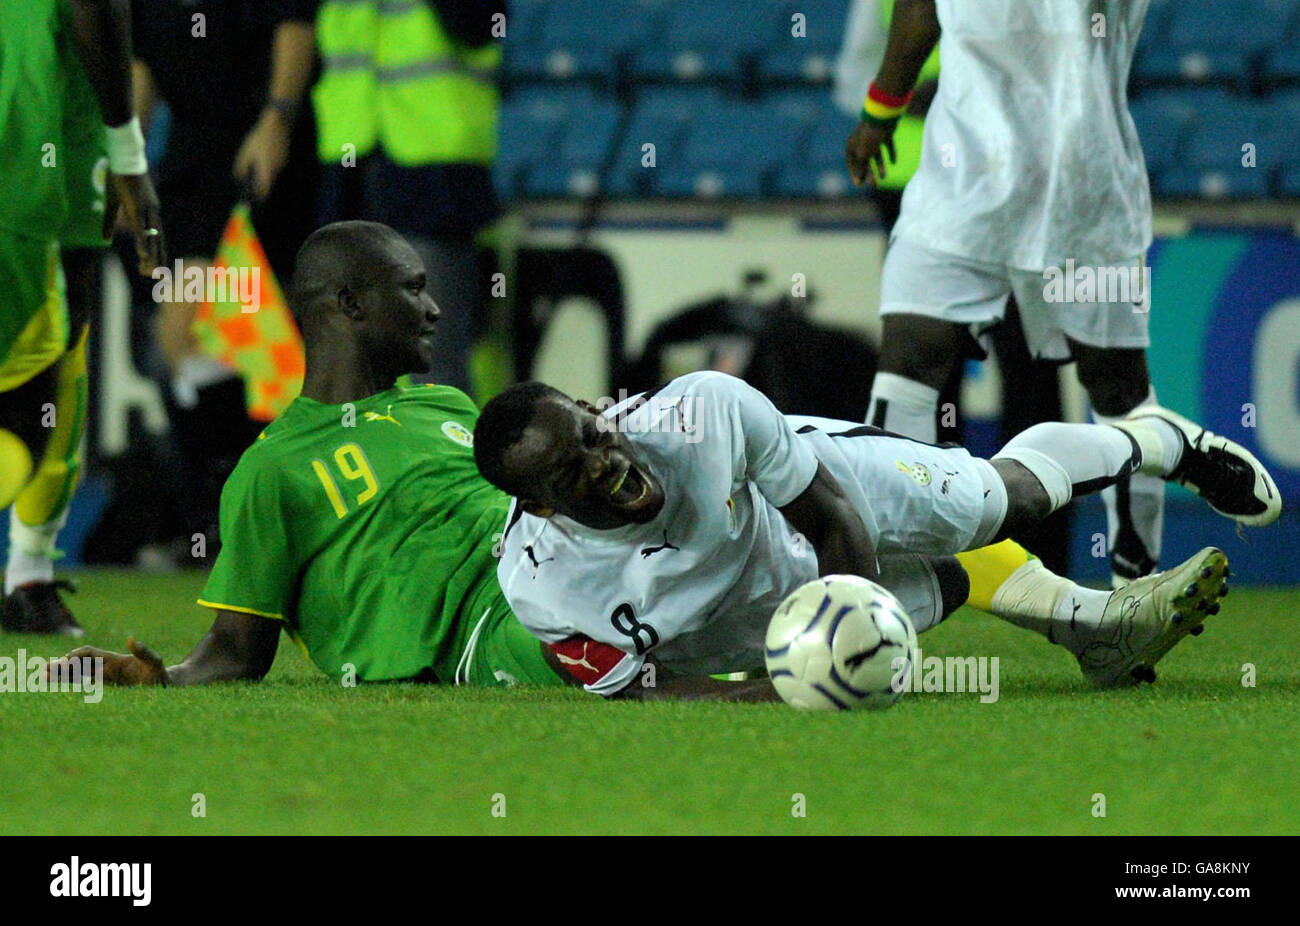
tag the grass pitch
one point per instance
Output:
(1196, 753)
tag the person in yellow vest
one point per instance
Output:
(857, 63)
(406, 109)
(234, 76)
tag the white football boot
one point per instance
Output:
(1222, 472)
(1146, 618)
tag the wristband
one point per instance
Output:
(126, 148)
(883, 108)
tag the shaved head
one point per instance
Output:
(343, 255)
(360, 298)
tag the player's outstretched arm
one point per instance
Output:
(239, 647)
(824, 515)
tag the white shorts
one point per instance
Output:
(914, 497)
(1110, 311)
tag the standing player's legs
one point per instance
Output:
(33, 333)
(1118, 383)
(929, 302)
(1105, 329)
(31, 599)
(31, 596)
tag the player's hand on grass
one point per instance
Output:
(867, 145)
(141, 666)
(134, 197)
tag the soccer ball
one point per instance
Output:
(840, 642)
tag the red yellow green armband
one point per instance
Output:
(883, 108)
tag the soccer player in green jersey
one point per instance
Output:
(65, 116)
(358, 522)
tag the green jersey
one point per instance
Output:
(368, 530)
(31, 118)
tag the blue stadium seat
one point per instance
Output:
(533, 125)
(1210, 161)
(1213, 183)
(818, 169)
(580, 39)
(1283, 62)
(806, 105)
(728, 151)
(1289, 181)
(746, 133)
(524, 21)
(573, 168)
(1279, 131)
(1213, 39)
(705, 40)
(661, 118)
(807, 57)
(1164, 119)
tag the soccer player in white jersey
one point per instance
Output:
(1031, 171)
(671, 525)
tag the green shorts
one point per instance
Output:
(34, 316)
(502, 652)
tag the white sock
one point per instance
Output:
(1037, 599)
(1072, 459)
(904, 406)
(31, 551)
(1077, 617)
(1135, 514)
(911, 579)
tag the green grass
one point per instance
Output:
(1196, 753)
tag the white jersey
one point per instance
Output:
(865, 35)
(698, 584)
(1030, 155)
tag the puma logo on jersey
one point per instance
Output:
(581, 662)
(647, 552)
(375, 416)
(528, 549)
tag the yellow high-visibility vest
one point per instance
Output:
(392, 77)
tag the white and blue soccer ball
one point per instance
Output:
(840, 643)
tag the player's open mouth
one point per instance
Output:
(631, 489)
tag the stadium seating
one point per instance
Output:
(747, 113)
(807, 56)
(1211, 40)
